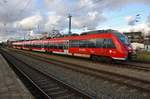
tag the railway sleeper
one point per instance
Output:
(58, 92)
(55, 88)
(67, 96)
(47, 86)
(39, 78)
(41, 81)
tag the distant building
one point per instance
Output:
(147, 42)
(135, 37)
(137, 46)
(54, 33)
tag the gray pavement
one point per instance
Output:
(10, 85)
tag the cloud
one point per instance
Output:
(83, 10)
(30, 22)
(91, 22)
(53, 22)
(131, 20)
(7, 31)
(85, 13)
(14, 10)
(148, 20)
(118, 4)
(143, 27)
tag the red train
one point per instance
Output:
(94, 44)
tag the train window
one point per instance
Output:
(60, 46)
(33, 45)
(122, 38)
(46, 45)
(55, 46)
(99, 43)
(51, 46)
(105, 43)
(37, 46)
(83, 43)
(66, 44)
(108, 43)
(92, 43)
(74, 43)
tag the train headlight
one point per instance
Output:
(112, 52)
(129, 48)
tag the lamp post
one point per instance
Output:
(69, 32)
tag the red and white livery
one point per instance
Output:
(94, 44)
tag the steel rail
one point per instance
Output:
(143, 85)
(76, 91)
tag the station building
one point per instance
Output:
(138, 37)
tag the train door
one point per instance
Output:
(42, 45)
(105, 49)
(108, 45)
(46, 45)
(66, 47)
(100, 47)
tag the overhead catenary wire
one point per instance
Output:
(5, 5)
(22, 10)
(85, 6)
(20, 14)
(123, 15)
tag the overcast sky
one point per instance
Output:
(17, 17)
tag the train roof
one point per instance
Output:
(99, 32)
(74, 36)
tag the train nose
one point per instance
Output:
(130, 49)
(131, 53)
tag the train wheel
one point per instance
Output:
(48, 52)
(116, 61)
(94, 58)
(108, 59)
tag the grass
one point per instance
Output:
(143, 56)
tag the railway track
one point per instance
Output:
(141, 66)
(44, 86)
(129, 65)
(136, 83)
(138, 66)
(139, 61)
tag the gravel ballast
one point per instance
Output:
(98, 87)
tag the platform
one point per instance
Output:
(10, 85)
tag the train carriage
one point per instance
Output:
(17, 44)
(96, 45)
(37, 45)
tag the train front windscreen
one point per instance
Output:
(123, 39)
(127, 44)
